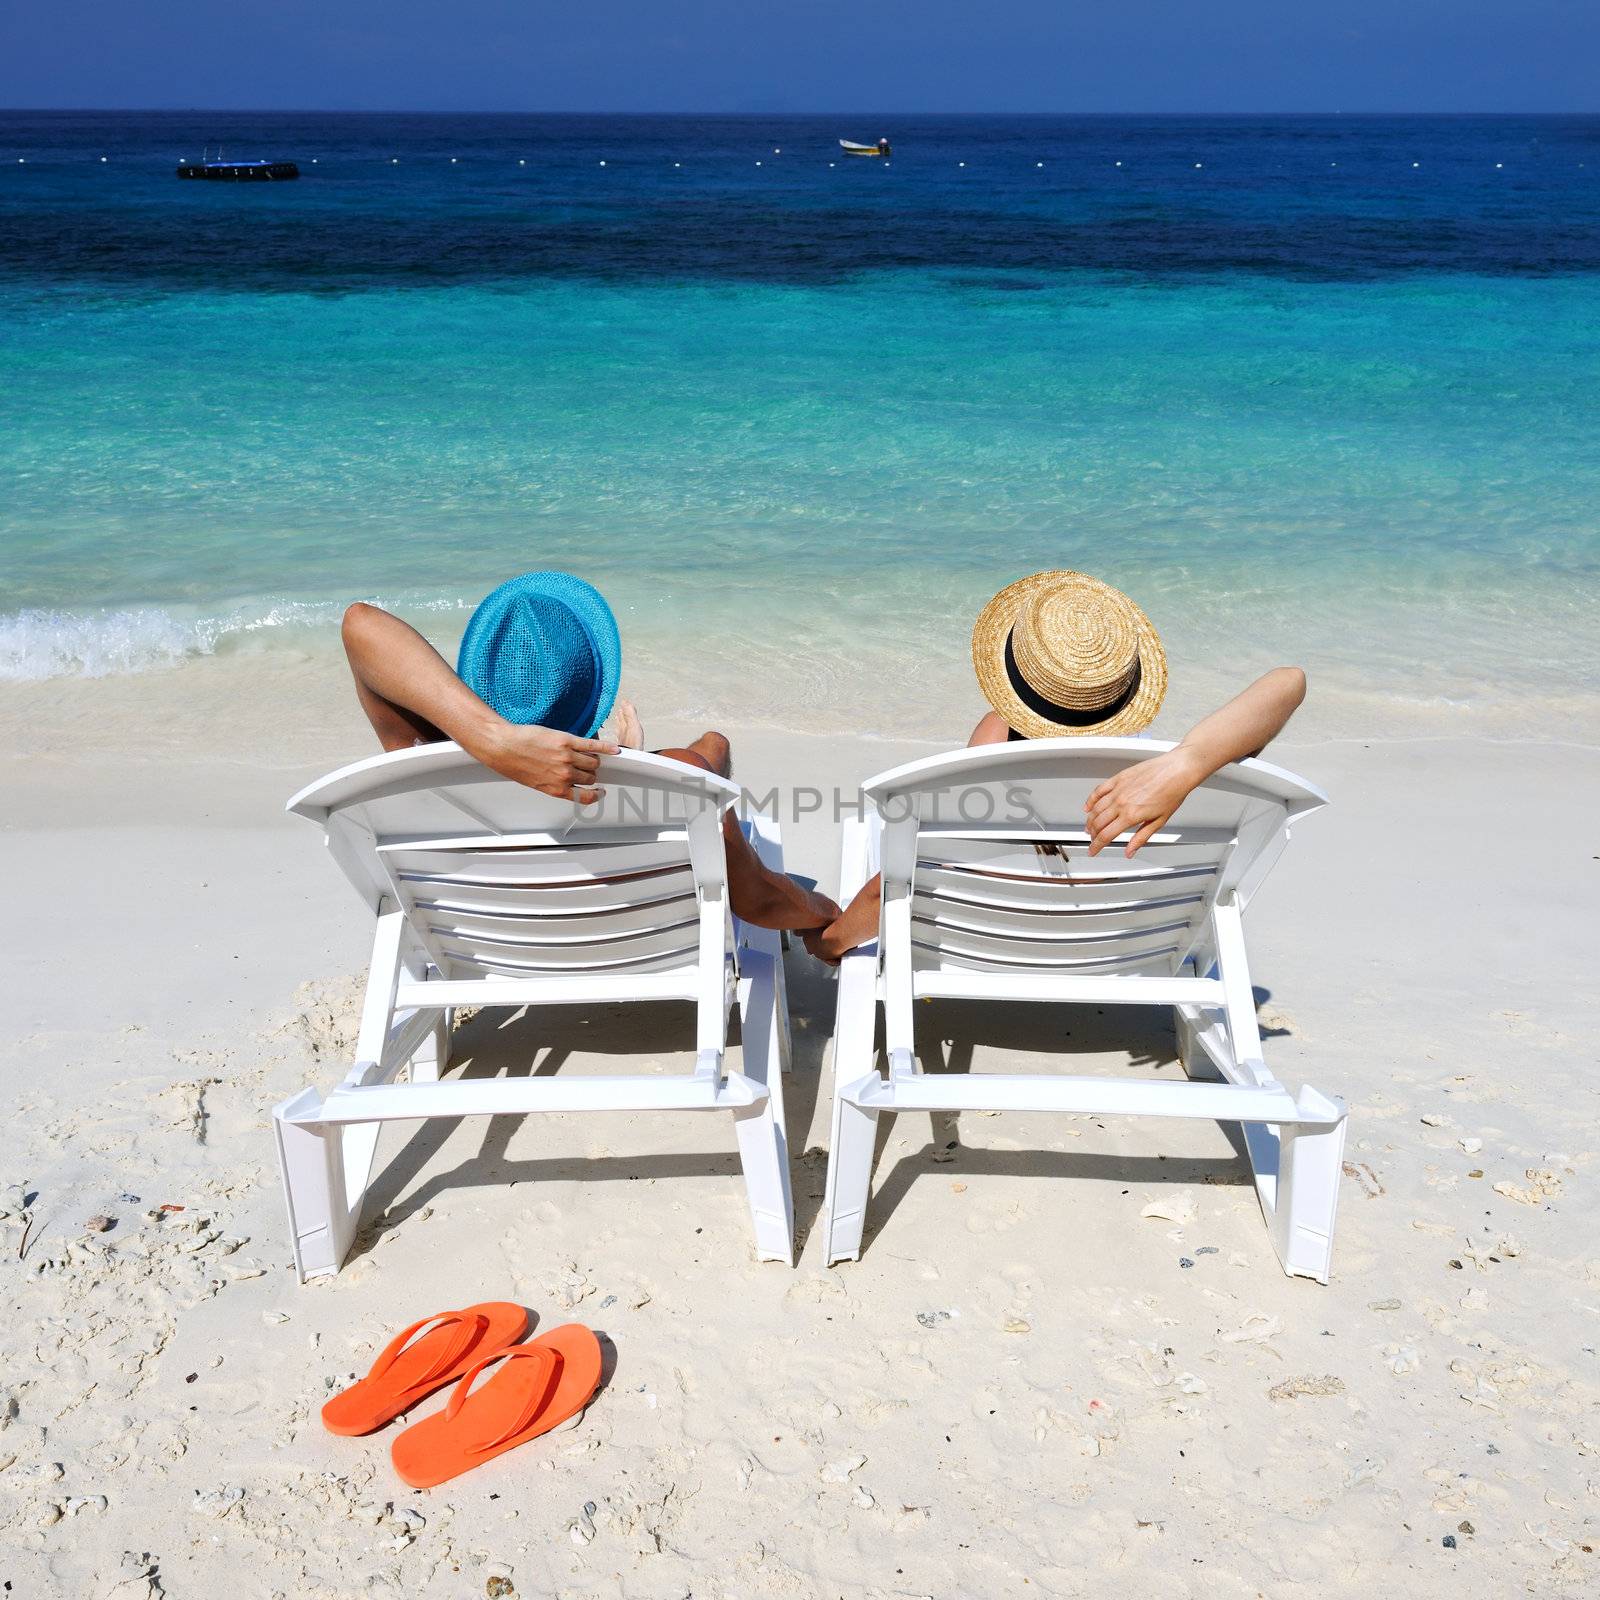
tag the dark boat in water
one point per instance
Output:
(238, 171)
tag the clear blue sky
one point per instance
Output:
(872, 55)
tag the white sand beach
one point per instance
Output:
(1067, 1362)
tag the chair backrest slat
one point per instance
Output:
(956, 949)
(497, 879)
(989, 846)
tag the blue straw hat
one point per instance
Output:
(544, 649)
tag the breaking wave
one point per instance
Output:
(38, 643)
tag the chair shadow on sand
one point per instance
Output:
(540, 1042)
(949, 1032)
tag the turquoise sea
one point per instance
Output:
(1317, 388)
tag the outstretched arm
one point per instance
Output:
(1141, 799)
(411, 696)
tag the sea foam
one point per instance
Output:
(38, 643)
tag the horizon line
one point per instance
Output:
(438, 111)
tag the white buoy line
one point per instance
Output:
(522, 161)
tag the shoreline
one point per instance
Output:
(289, 702)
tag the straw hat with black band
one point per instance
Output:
(1062, 653)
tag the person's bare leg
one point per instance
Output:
(758, 895)
(711, 751)
(859, 921)
(628, 728)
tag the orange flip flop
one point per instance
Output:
(409, 1368)
(540, 1385)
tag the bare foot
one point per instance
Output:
(629, 729)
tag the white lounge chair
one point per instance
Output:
(487, 893)
(988, 893)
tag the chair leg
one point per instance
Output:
(1189, 1022)
(767, 840)
(853, 1135)
(434, 1055)
(317, 1162)
(762, 1005)
(785, 1036)
(763, 1140)
(766, 1179)
(850, 1152)
(1306, 1201)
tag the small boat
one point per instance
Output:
(238, 171)
(850, 148)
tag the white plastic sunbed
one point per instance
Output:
(487, 893)
(989, 893)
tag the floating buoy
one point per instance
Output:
(1119, 163)
(1038, 163)
(452, 161)
(833, 163)
(602, 163)
(961, 163)
(1497, 166)
(777, 152)
(394, 161)
(313, 160)
(522, 161)
(758, 163)
(1416, 163)
(1198, 165)
(102, 158)
(677, 163)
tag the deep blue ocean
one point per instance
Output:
(1320, 386)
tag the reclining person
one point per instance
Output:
(536, 680)
(1061, 654)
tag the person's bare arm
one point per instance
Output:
(410, 694)
(1141, 799)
